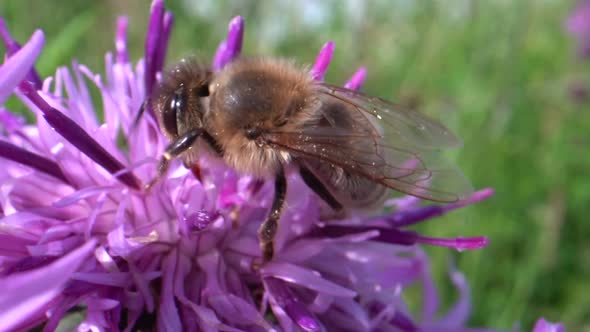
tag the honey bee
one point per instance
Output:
(264, 115)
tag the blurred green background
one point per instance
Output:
(499, 73)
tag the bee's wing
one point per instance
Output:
(371, 138)
(410, 127)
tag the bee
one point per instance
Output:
(262, 116)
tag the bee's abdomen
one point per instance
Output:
(352, 190)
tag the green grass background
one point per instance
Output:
(499, 73)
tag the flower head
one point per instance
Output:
(77, 230)
(578, 24)
(545, 326)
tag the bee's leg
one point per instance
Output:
(215, 147)
(180, 145)
(138, 116)
(212, 143)
(268, 229)
(318, 187)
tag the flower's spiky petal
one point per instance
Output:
(37, 287)
(19, 65)
(12, 47)
(403, 322)
(430, 297)
(24, 157)
(101, 315)
(80, 107)
(459, 312)
(458, 243)
(10, 122)
(168, 315)
(167, 24)
(231, 47)
(543, 325)
(121, 40)
(406, 238)
(153, 45)
(408, 217)
(357, 79)
(318, 71)
(578, 24)
(72, 132)
(58, 312)
(305, 278)
(282, 296)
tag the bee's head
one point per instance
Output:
(180, 100)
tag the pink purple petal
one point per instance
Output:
(77, 136)
(231, 47)
(12, 47)
(12, 152)
(10, 122)
(305, 278)
(121, 40)
(578, 24)
(323, 61)
(357, 79)
(458, 243)
(403, 322)
(24, 293)
(168, 23)
(459, 312)
(543, 325)
(168, 316)
(296, 310)
(18, 66)
(408, 217)
(152, 44)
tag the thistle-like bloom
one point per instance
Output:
(545, 326)
(77, 232)
(578, 24)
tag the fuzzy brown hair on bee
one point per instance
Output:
(263, 115)
(256, 97)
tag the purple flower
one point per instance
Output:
(544, 326)
(578, 24)
(77, 231)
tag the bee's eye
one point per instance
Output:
(175, 111)
(203, 91)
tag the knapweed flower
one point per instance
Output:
(79, 233)
(544, 326)
(578, 24)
